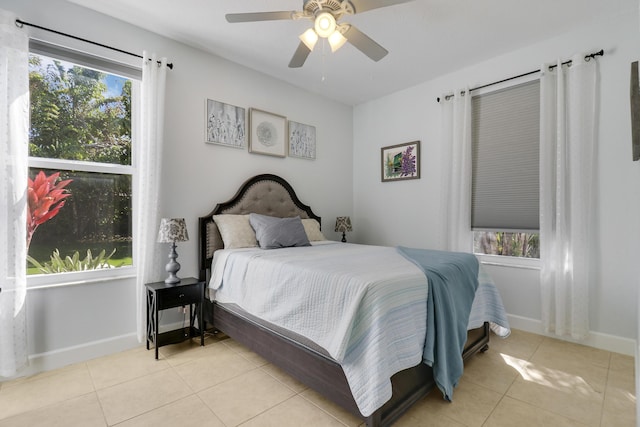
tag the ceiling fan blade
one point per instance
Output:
(364, 5)
(259, 16)
(365, 44)
(301, 54)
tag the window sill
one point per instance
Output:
(511, 262)
(47, 281)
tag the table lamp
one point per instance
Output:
(172, 230)
(343, 224)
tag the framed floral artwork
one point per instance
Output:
(268, 133)
(400, 162)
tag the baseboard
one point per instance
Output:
(82, 352)
(78, 353)
(599, 340)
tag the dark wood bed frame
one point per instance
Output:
(271, 195)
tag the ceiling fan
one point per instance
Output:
(325, 15)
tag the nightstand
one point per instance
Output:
(161, 296)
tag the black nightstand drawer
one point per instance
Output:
(178, 296)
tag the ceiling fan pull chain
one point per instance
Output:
(324, 57)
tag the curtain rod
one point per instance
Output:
(20, 23)
(551, 67)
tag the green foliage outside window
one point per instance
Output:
(80, 114)
(74, 116)
(524, 245)
(57, 264)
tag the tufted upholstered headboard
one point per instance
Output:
(265, 194)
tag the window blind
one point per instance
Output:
(84, 59)
(505, 137)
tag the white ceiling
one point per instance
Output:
(425, 38)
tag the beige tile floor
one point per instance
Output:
(525, 380)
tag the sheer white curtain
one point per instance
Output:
(456, 176)
(567, 168)
(149, 159)
(14, 125)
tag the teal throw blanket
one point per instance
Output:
(453, 280)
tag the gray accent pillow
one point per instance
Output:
(273, 233)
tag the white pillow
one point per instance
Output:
(236, 231)
(312, 228)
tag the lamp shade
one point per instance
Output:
(309, 38)
(336, 40)
(173, 230)
(343, 223)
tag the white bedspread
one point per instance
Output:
(365, 305)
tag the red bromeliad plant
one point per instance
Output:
(46, 198)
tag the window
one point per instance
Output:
(505, 188)
(80, 140)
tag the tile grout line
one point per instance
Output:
(501, 399)
(209, 408)
(505, 394)
(295, 394)
(263, 412)
(95, 392)
(322, 409)
(486, 420)
(136, 379)
(604, 392)
(530, 359)
(48, 374)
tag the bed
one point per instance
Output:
(294, 353)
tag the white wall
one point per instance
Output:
(407, 213)
(71, 323)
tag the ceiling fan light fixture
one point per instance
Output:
(325, 15)
(336, 40)
(309, 38)
(325, 24)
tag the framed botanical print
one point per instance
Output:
(400, 162)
